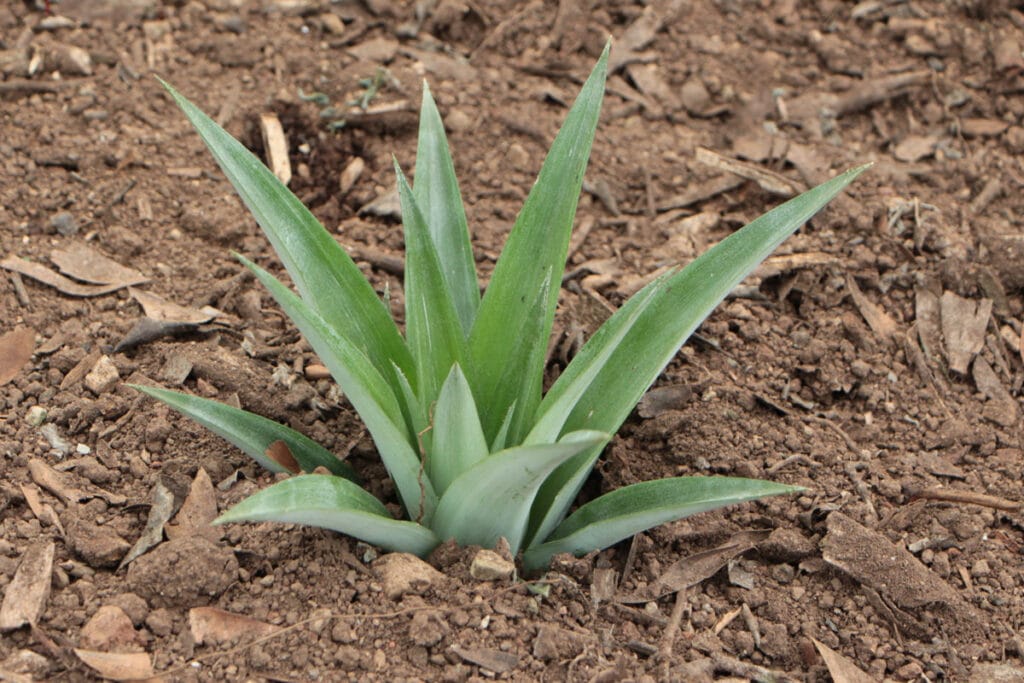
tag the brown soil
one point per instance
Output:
(849, 366)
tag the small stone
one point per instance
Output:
(402, 573)
(426, 629)
(65, 224)
(695, 96)
(160, 622)
(554, 643)
(74, 61)
(458, 121)
(110, 629)
(102, 377)
(27, 662)
(35, 416)
(909, 672)
(490, 566)
(134, 606)
(332, 23)
(353, 170)
(97, 545)
(980, 568)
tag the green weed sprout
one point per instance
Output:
(456, 406)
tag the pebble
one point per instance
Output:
(102, 377)
(488, 565)
(65, 224)
(980, 568)
(403, 573)
(97, 545)
(35, 416)
(110, 629)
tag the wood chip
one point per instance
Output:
(770, 181)
(65, 285)
(1002, 407)
(81, 369)
(85, 264)
(497, 661)
(26, 595)
(963, 326)
(915, 147)
(929, 321)
(198, 511)
(353, 170)
(213, 626)
(982, 127)
(774, 266)
(16, 349)
(275, 145)
(878, 320)
(118, 666)
(702, 191)
(842, 669)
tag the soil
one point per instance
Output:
(876, 360)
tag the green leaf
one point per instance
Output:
(326, 277)
(432, 325)
(631, 509)
(500, 441)
(573, 383)
(681, 303)
(458, 440)
(369, 394)
(250, 432)
(492, 499)
(532, 261)
(336, 504)
(437, 192)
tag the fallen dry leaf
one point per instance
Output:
(65, 285)
(213, 626)
(691, 570)
(118, 666)
(963, 325)
(880, 322)
(26, 595)
(87, 265)
(159, 512)
(16, 349)
(282, 455)
(840, 668)
(57, 483)
(81, 369)
(197, 512)
(163, 310)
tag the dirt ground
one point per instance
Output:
(876, 360)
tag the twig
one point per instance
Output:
(668, 638)
(20, 291)
(945, 495)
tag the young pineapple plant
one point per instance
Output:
(456, 406)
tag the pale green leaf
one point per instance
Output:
(432, 325)
(629, 510)
(250, 432)
(437, 192)
(458, 440)
(326, 277)
(369, 394)
(683, 301)
(493, 498)
(533, 260)
(336, 504)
